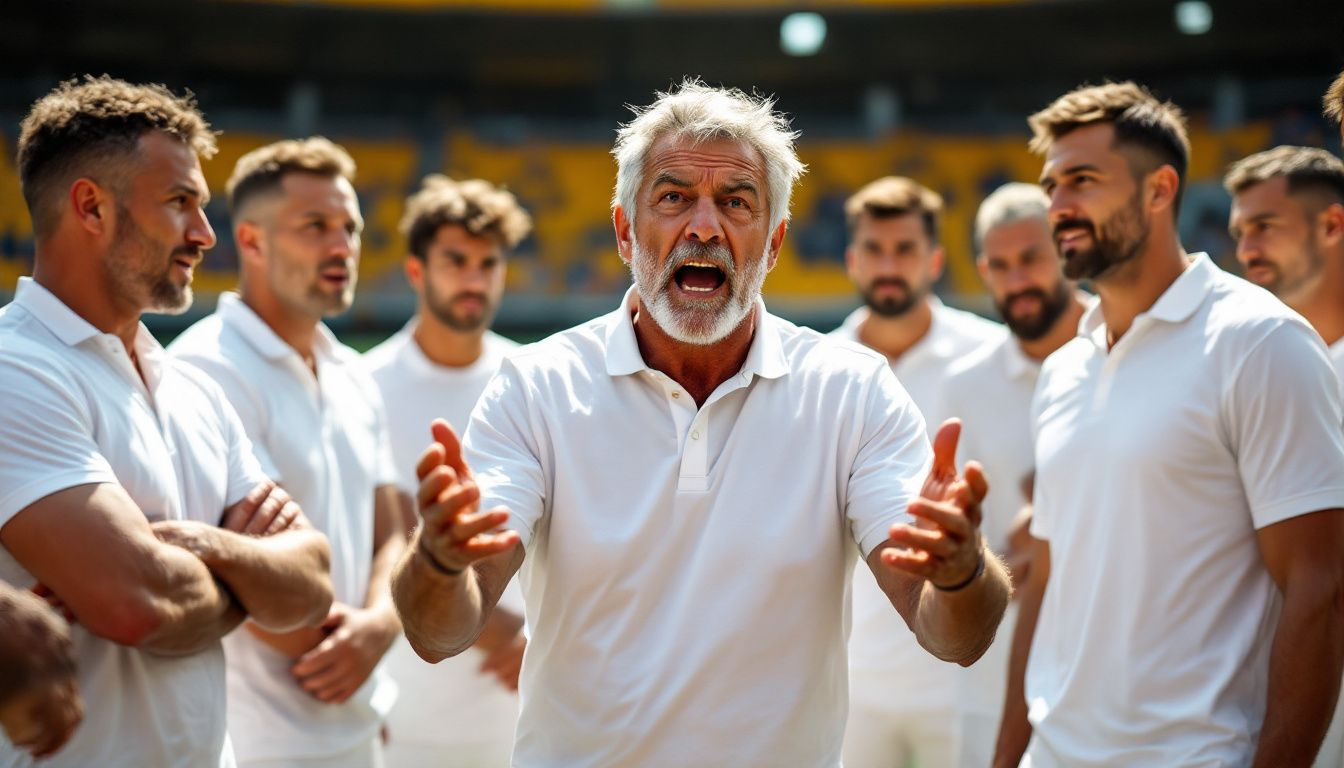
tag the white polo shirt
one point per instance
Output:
(1215, 415)
(324, 439)
(449, 704)
(77, 412)
(686, 568)
(889, 670)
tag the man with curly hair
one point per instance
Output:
(459, 235)
(129, 493)
(1334, 103)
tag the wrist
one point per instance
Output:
(969, 580)
(422, 552)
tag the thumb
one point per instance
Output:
(945, 448)
(452, 447)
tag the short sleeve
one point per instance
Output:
(890, 465)
(245, 471)
(45, 440)
(246, 404)
(505, 454)
(385, 473)
(1282, 416)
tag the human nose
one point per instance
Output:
(199, 231)
(1248, 247)
(704, 225)
(1061, 206)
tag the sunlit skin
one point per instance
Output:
(715, 193)
(894, 264)
(300, 254)
(459, 284)
(1097, 205)
(1022, 272)
(1293, 245)
(113, 257)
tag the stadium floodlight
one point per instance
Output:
(801, 34)
(1194, 17)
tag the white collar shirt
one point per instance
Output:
(323, 437)
(687, 567)
(1216, 414)
(451, 704)
(890, 671)
(77, 412)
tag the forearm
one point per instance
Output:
(442, 615)
(282, 581)
(187, 608)
(959, 626)
(1306, 662)
(1015, 728)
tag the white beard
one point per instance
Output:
(703, 323)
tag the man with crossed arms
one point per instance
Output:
(130, 494)
(688, 477)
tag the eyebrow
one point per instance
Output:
(1081, 167)
(667, 178)
(740, 185)
(191, 190)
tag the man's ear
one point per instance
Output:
(936, 261)
(247, 238)
(93, 206)
(1164, 184)
(1331, 223)
(414, 270)
(776, 242)
(625, 242)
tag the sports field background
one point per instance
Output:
(528, 93)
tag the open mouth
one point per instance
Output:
(336, 276)
(699, 277)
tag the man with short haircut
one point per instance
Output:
(1334, 103)
(990, 392)
(40, 706)
(903, 704)
(459, 235)
(129, 494)
(689, 503)
(1189, 479)
(316, 696)
(1288, 221)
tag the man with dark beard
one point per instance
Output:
(459, 235)
(692, 479)
(902, 702)
(1185, 594)
(991, 393)
(317, 695)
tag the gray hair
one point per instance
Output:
(1009, 204)
(701, 113)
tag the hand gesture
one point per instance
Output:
(356, 640)
(264, 511)
(944, 545)
(454, 533)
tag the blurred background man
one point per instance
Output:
(40, 705)
(459, 234)
(903, 704)
(1288, 221)
(1334, 104)
(315, 696)
(991, 393)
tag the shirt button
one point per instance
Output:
(676, 395)
(695, 434)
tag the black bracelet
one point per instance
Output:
(434, 563)
(979, 569)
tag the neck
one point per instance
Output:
(1324, 307)
(295, 329)
(443, 345)
(700, 368)
(76, 276)
(1137, 285)
(894, 336)
(1064, 329)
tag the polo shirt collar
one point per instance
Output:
(765, 357)
(936, 342)
(234, 313)
(1175, 305)
(60, 319)
(1019, 365)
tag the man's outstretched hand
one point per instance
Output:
(944, 545)
(454, 533)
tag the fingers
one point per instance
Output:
(237, 516)
(976, 481)
(433, 456)
(945, 516)
(288, 516)
(266, 512)
(936, 543)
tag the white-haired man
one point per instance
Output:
(687, 497)
(990, 392)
